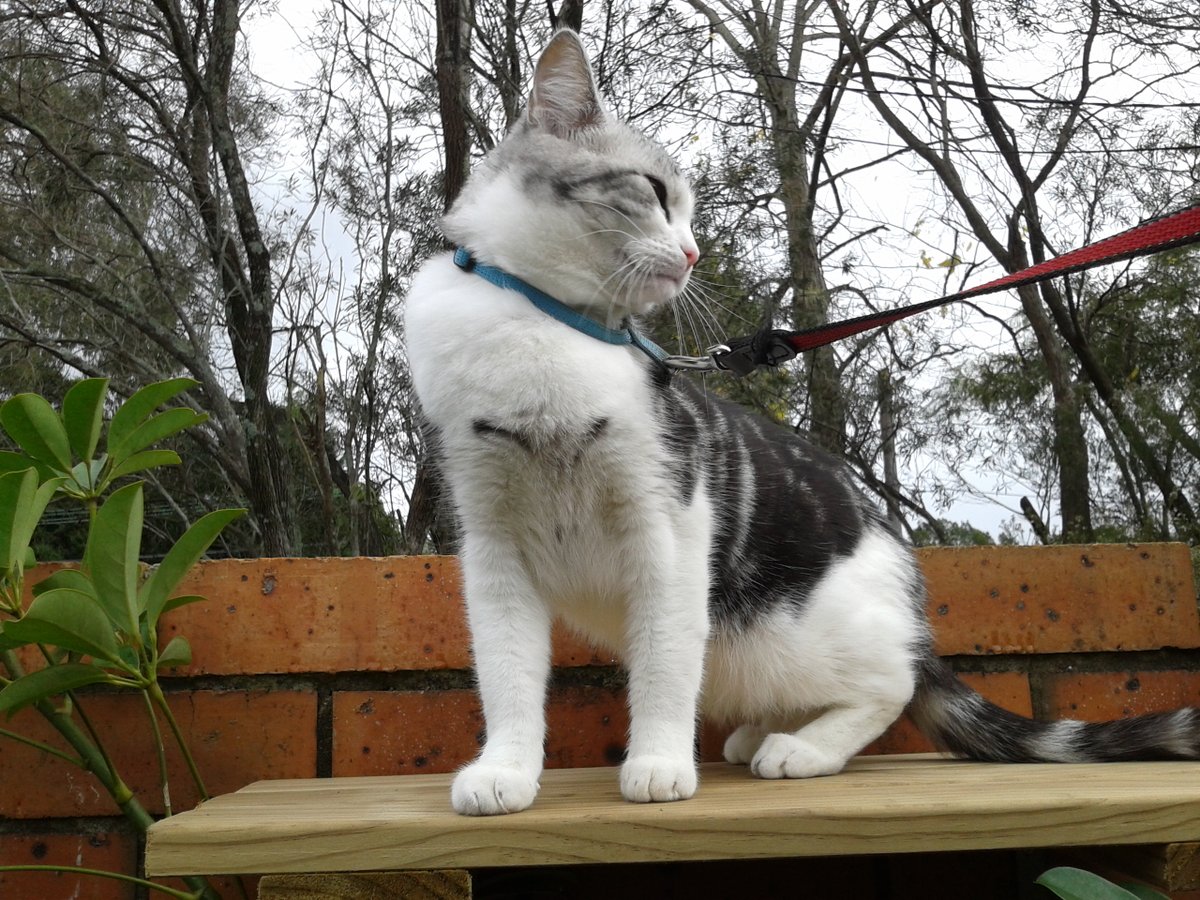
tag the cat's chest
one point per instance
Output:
(499, 377)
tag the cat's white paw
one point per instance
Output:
(484, 789)
(657, 779)
(741, 746)
(788, 756)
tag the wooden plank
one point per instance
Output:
(441, 884)
(883, 804)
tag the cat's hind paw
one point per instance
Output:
(788, 756)
(483, 789)
(657, 779)
(741, 746)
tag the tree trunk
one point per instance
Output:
(453, 81)
(1069, 440)
(887, 429)
(242, 261)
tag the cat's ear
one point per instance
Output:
(564, 98)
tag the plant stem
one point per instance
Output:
(161, 702)
(12, 664)
(99, 873)
(45, 748)
(160, 752)
(94, 760)
(96, 743)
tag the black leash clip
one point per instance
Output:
(741, 356)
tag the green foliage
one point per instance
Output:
(1079, 884)
(97, 624)
(954, 534)
(64, 445)
(99, 613)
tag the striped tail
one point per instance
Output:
(959, 720)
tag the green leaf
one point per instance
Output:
(151, 431)
(1078, 884)
(177, 653)
(111, 557)
(65, 578)
(7, 643)
(83, 415)
(16, 493)
(185, 600)
(27, 523)
(69, 619)
(81, 475)
(48, 682)
(15, 462)
(22, 502)
(179, 559)
(36, 427)
(134, 411)
(147, 459)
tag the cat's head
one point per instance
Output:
(578, 203)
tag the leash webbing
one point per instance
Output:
(771, 347)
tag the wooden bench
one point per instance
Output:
(323, 829)
(1094, 632)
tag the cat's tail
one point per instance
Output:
(959, 720)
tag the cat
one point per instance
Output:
(734, 567)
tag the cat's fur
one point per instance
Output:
(734, 567)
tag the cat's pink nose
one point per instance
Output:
(691, 254)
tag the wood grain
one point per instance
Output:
(882, 804)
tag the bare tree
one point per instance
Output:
(169, 107)
(998, 146)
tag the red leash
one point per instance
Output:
(771, 347)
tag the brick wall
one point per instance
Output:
(319, 667)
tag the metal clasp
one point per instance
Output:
(706, 363)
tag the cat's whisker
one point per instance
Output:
(696, 316)
(587, 234)
(711, 299)
(608, 206)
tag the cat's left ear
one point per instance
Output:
(564, 98)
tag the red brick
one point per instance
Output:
(1007, 689)
(404, 732)
(323, 615)
(236, 738)
(1101, 696)
(332, 615)
(902, 736)
(1061, 599)
(398, 613)
(587, 726)
(107, 851)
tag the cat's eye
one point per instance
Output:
(660, 191)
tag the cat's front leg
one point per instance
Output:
(666, 638)
(510, 637)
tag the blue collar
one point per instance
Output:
(556, 309)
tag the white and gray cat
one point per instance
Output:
(735, 568)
